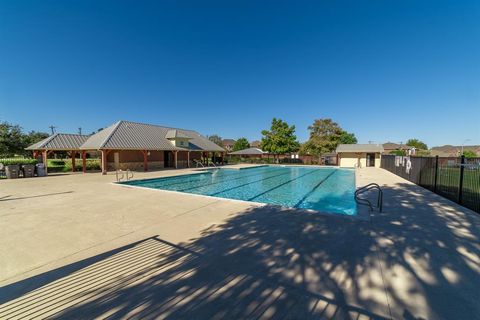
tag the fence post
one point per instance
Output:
(435, 176)
(460, 185)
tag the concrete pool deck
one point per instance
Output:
(78, 245)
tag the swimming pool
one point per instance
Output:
(323, 189)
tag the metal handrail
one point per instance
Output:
(121, 177)
(367, 202)
(198, 163)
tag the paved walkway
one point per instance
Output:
(77, 245)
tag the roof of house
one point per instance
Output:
(228, 142)
(126, 135)
(248, 151)
(256, 143)
(395, 146)
(359, 148)
(452, 151)
(60, 141)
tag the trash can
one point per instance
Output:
(12, 171)
(41, 172)
(28, 170)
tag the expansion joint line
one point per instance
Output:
(377, 250)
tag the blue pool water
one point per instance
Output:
(317, 188)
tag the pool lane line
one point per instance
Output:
(282, 184)
(227, 180)
(206, 173)
(237, 175)
(246, 184)
(308, 194)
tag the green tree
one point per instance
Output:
(416, 144)
(241, 144)
(280, 139)
(469, 154)
(325, 135)
(215, 138)
(34, 137)
(347, 138)
(398, 152)
(13, 141)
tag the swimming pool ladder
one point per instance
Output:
(120, 175)
(198, 163)
(367, 202)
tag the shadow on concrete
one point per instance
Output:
(37, 196)
(430, 252)
(277, 263)
(265, 262)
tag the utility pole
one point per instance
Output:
(52, 127)
(80, 130)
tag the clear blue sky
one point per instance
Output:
(385, 70)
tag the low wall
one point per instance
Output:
(136, 166)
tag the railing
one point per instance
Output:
(120, 175)
(367, 202)
(197, 163)
(455, 178)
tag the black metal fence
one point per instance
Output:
(455, 178)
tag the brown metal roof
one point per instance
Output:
(126, 135)
(60, 141)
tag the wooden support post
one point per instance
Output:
(104, 161)
(84, 161)
(188, 158)
(145, 160)
(73, 154)
(175, 154)
(44, 159)
(223, 158)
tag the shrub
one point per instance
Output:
(92, 164)
(398, 152)
(56, 163)
(19, 161)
